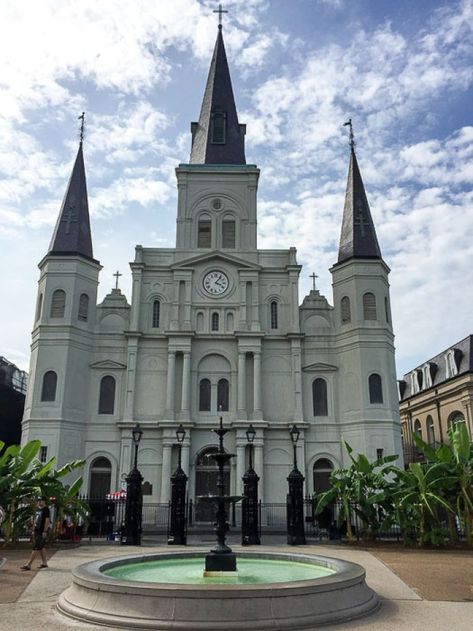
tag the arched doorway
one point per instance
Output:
(206, 475)
(322, 471)
(100, 477)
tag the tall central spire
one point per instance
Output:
(218, 137)
(358, 238)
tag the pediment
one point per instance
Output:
(108, 363)
(215, 255)
(319, 367)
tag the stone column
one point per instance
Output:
(242, 325)
(136, 297)
(187, 306)
(242, 412)
(257, 413)
(185, 457)
(186, 377)
(166, 474)
(297, 379)
(259, 468)
(171, 384)
(130, 378)
(240, 466)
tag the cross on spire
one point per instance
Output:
(351, 141)
(313, 276)
(360, 220)
(117, 276)
(82, 123)
(220, 12)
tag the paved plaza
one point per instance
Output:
(403, 607)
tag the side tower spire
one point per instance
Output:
(218, 137)
(358, 237)
(72, 234)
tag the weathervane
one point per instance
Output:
(220, 12)
(313, 276)
(82, 123)
(117, 276)
(352, 137)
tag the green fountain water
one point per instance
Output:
(189, 571)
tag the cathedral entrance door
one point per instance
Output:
(206, 475)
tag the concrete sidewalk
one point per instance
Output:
(402, 608)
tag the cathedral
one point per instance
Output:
(214, 328)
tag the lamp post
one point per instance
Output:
(177, 529)
(134, 498)
(295, 498)
(250, 516)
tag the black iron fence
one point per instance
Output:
(106, 518)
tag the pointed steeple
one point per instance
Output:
(218, 137)
(72, 235)
(358, 238)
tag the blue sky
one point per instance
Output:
(401, 70)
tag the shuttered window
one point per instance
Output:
(204, 238)
(58, 304)
(369, 306)
(215, 322)
(218, 124)
(228, 233)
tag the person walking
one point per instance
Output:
(40, 532)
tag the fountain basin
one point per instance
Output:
(96, 597)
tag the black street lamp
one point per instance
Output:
(250, 508)
(134, 498)
(295, 498)
(177, 534)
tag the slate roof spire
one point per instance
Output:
(358, 238)
(72, 235)
(218, 137)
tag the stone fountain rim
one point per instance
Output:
(346, 573)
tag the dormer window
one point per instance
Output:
(218, 124)
(451, 367)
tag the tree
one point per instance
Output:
(23, 478)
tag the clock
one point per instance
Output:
(215, 283)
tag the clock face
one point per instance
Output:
(215, 283)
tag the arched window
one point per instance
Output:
(319, 397)
(228, 233)
(215, 322)
(369, 306)
(100, 478)
(222, 395)
(83, 314)
(217, 128)
(204, 237)
(274, 315)
(39, 306)
(48, 391)
(417, 428)
(156, 314)
(107, 395)
(322, 471)
(455, 417)
(376, 388)
(430, 431)
(345, 309)
(204, 395)
(58, 304)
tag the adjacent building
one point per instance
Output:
(436, 394)
(214, 327)
(13, 383)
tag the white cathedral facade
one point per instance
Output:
(214, 328)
